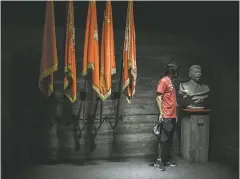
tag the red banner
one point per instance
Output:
(108, 64)
(129, 55)
(49, 60)
(91, 53)
(70, 79)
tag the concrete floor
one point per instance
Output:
(124, 169)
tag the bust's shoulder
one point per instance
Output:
(205, 87)
(186, 83)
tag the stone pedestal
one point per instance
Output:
(195, 135)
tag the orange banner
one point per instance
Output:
(49, 60)
(108, 64)
(70, 79)
(91, 53)
(129, 55)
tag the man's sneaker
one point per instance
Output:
(155, 164)
(170, 164)
(151, 164)
(159, 165)
(161, 168)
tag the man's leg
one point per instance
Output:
(171, 137)
(157, 156)
(169, 143)
(159, 151)
(163, 146)
(168, 129)
(158, 162)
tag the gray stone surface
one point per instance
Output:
(195, 138)
(124, 169)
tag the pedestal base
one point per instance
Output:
(195, 135)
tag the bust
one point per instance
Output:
(194, 93)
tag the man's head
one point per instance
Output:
(171, 70)
(195, 73)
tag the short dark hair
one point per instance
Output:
(171, 67)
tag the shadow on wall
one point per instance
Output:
(36, 134)
(27, 106)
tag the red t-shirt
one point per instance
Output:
(166, 88)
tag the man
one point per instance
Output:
(166, 102)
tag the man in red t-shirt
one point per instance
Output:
(166, 101)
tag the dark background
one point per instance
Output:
(205, 33)
(185, 17)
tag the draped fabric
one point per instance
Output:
(91, 48)
(107, 65)
(70, 79)
(129, 55)
(49, 59)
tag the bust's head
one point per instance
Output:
(195, 72)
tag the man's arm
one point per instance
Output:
(159, 103)
(161, 88)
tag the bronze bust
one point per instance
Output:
(193, 93)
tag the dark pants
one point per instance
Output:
(168, 127)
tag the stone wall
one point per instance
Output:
(41, 137)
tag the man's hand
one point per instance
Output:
(160, 118)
